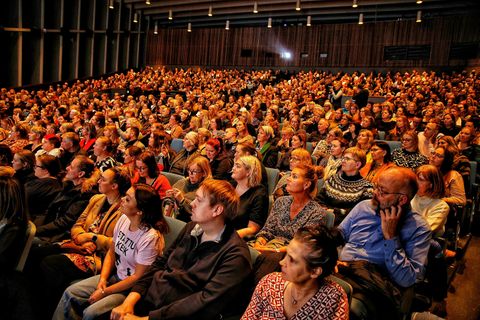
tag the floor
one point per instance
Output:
(464, 302)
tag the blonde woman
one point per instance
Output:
(266, 147)
(253, 206)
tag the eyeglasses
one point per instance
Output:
(295, 159)
(347, 159)
(195, 171)
(407, 139)
(382, 192)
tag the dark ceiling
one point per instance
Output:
(284, 13)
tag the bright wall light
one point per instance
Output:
(286, 55)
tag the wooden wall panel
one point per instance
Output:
(346, 45)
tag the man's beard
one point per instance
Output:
(380, 206)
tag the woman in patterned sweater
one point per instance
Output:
(409, 156)
(346, 188)
(301, 290)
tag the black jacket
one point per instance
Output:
(196, 280)
(63, 212)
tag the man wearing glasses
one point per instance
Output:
(386, 245)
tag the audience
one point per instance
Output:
(253, 106)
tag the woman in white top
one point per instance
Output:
(137, 239)
(428, 200)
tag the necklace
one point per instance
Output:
(296, 300)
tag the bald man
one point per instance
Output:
(386, 244)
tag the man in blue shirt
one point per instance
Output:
(386, 244)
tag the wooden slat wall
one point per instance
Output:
(347, 45)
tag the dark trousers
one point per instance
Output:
(56, 273)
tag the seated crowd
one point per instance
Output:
(87, 168)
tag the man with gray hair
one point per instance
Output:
(179, 163)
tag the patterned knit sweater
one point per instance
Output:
(412, 160)
(344, 192)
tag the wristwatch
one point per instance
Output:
(94, 238)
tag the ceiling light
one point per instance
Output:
(189, 27)
(269, 25)
(419, 1)
(170, 14)
(297, 7)
(135, 17)
(210, 11)
(255, 7)
(355, 3)
(227, 25)
(309, 21)
(155, 28)
(360, 18)
(419, 16)
(111, 4)
(147, 1)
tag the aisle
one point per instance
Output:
(464, 304)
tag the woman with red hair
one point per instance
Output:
(221, 164)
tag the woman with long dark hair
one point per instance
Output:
(137, 240)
